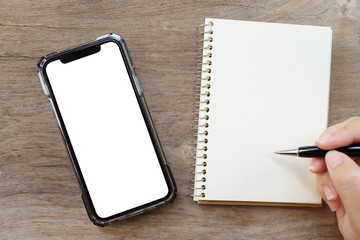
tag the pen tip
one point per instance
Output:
(287, 152)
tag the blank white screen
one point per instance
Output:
(107, 131)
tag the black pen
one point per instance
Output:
(315, 152)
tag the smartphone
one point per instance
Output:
(107, 129)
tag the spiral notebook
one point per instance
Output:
(261, 87)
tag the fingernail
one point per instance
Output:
(311, 165)
(330, 195)
(334, 158)
(332, 205)
(323, 139)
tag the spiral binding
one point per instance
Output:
(202, 94)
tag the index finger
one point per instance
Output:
(340, 135)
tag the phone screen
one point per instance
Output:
(107, 131)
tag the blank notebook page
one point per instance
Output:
(269, 91)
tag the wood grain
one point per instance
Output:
(39, 194)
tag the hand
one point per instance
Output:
(338, 177)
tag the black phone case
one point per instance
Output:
(146, 114)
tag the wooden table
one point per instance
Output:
(39, 194)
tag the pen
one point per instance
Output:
(314, 151)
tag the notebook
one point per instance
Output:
(261, 87)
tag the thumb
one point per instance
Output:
(345, 174)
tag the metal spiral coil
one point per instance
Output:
(201, 117)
